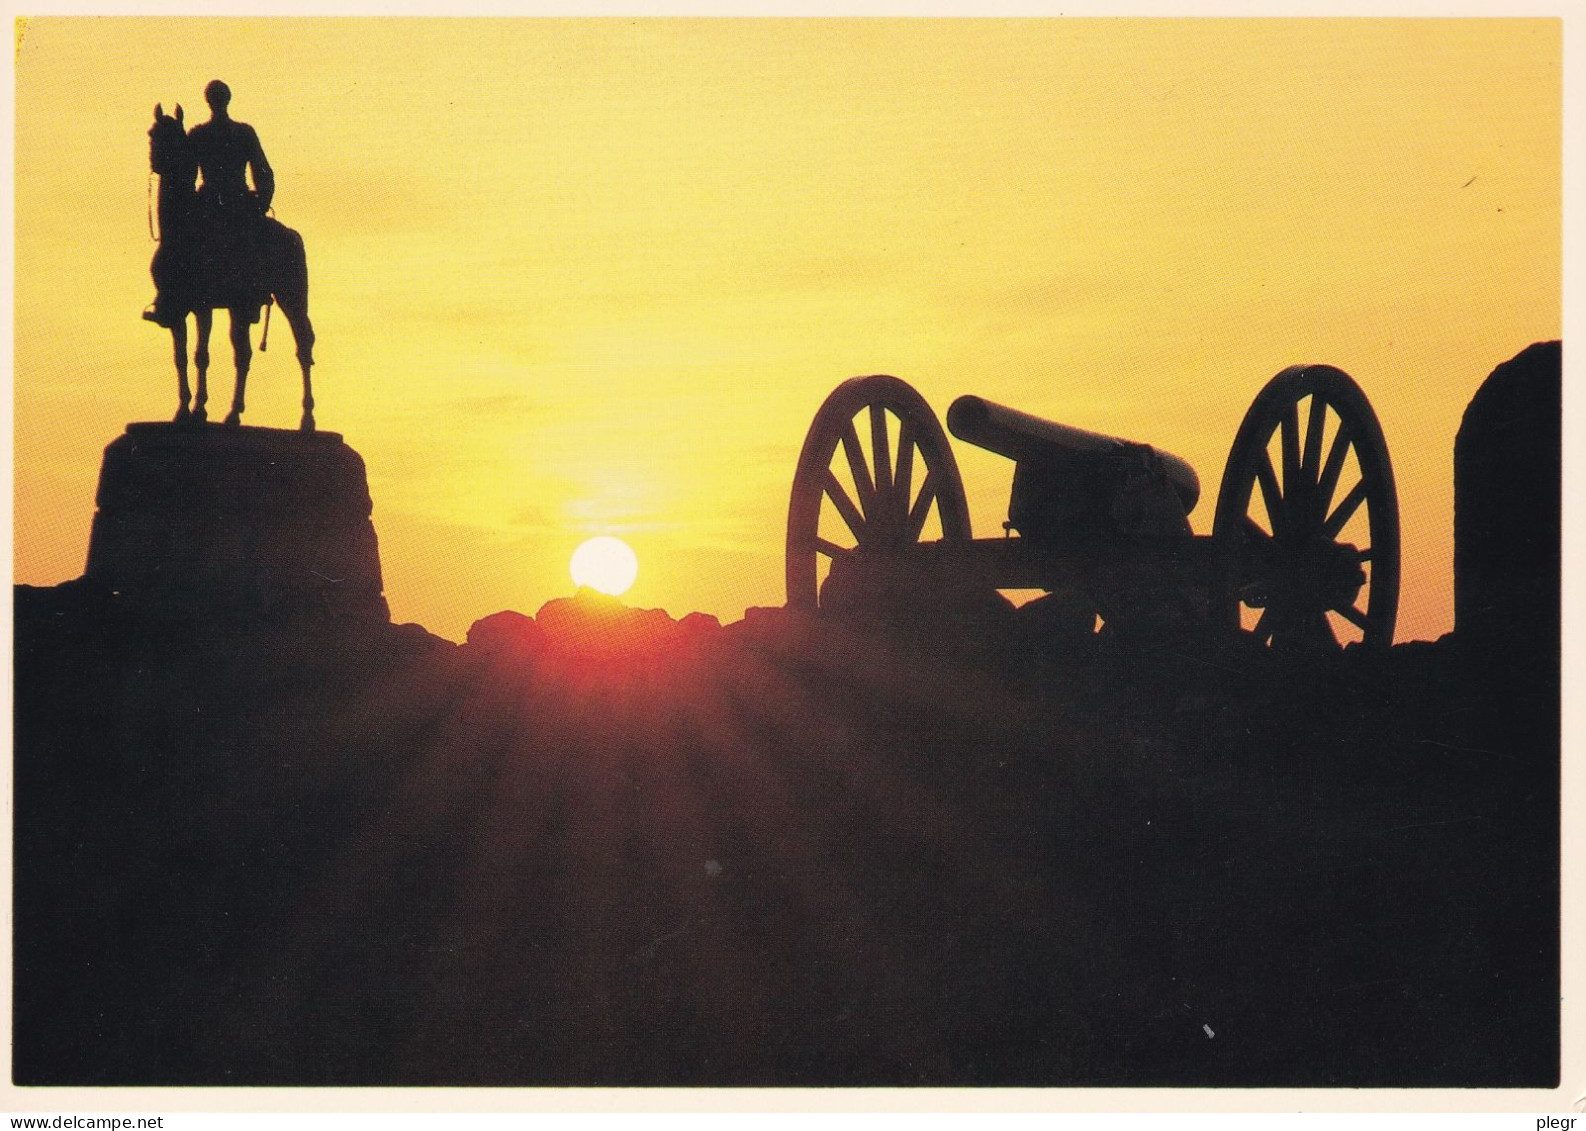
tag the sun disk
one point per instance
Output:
(606, 564)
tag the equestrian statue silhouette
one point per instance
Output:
(218, 249)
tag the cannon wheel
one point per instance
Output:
(865, 483)
(1308, 511)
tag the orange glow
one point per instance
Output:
(578, 276)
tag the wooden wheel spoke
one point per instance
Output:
(880, 450)
(903, 480)
(1252, 529)
(1327, 483)
(1287, 625)
(922, 506)
(1291, 447)
(1271, 493)
(1353, 615)
(1346, 510)
(1313, 437)
(1320, 629)
(845, 506)
(856, 464)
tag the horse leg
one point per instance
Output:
(307, 423)
(183, 390)
(206, 322)
(242, 350)
(295, 307)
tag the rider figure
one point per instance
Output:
(227, 151)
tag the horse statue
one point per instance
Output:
(203, 264)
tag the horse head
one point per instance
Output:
(169, 154)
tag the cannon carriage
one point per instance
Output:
(1303, 556)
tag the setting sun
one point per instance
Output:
(607, 564)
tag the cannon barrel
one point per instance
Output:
(1029, 439)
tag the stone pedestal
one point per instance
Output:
(254, 522)
(1506, 508)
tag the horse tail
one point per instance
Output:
(288, 275)
(287, 264)
(297, 264)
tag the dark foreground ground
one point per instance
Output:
(773, 854)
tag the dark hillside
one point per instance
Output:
(775, 853)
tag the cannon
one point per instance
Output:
(1303, 557)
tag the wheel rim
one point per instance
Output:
(1309, 512)
(876, 474)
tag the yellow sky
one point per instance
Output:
(576, 277)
